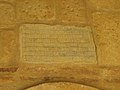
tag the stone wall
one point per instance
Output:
(92, 53)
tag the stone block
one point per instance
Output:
(71, 12)
(107, 37)
(105, 4)
(37, 11)
(9, 52)
(7, 15)
(53, 44)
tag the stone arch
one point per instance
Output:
(61, 86)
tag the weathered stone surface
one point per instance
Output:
(30, 75)
(8, 49)
(72, 11)
(45, 43)
(35, 10)
(104, 21)
(105, 4)
(7, 0)
(107, 36)
(61, 86)
(7, 16)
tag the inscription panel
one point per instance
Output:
(45, 43)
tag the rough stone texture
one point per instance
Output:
(45, 43)
(103, 18)
(7, 15)
(4, 1)
(72, 11)
(38, 11)
(29, 75)
(8, 48)
(105, 4)
(61, 86)
(107, 34)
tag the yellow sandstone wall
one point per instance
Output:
(97, 20)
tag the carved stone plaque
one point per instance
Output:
(53, 44)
